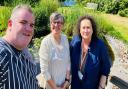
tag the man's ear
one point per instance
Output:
(9, 23)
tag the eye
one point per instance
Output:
(32, 25)
(87, 27)
(84, 27)
(23, 22)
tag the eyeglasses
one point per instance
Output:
(57, 22)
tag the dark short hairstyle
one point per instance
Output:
(94, 26)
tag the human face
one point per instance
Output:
(56, 27)
(86, 29)
(21, 28)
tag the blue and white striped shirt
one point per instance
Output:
(16, 71)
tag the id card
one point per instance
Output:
(80, 75)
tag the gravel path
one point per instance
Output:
(120, 66)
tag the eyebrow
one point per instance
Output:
(27, 21)
(23, 21)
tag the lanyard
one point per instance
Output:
(83, 60)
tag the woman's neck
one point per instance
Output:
(57, 38)
(85, 44)
(86, 41)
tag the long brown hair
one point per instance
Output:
(93, 23)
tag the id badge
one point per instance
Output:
(80, 75)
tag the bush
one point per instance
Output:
(123, 13)
(49, 6)
(123, 4)
(16, 2)
(41, 23)
(115, 6)
(42, 13)
(34, 47)
(112, 7)
(4, 16)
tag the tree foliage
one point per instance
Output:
(15, 2)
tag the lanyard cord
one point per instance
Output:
(83, 60)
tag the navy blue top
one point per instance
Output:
(16, 70)
(97, 63)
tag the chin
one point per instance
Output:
(85, 37)
(24, 44)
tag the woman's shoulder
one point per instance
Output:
(47, 38)
(63, 36)
(100, 43)
(75, 40)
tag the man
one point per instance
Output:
(16, 70)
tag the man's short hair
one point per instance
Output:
(21, 6)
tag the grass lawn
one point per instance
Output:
(119, 23)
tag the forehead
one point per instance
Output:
(58, 20)
(86, 22)
(24, 14)
(56, 17)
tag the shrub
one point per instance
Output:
(112, 7)
(41, 23)
(123, 13)
(34, 47)
(49, 6)
(16, 2)
(4, 16)
(123, 4)
(42, 13)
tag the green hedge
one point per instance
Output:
(4, 16)
(42, 13)
(123, 13)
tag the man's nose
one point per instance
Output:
(28, 28)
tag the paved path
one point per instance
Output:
(120, 66)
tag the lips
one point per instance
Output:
(56, 29)
(86, 33)
(26, 34)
